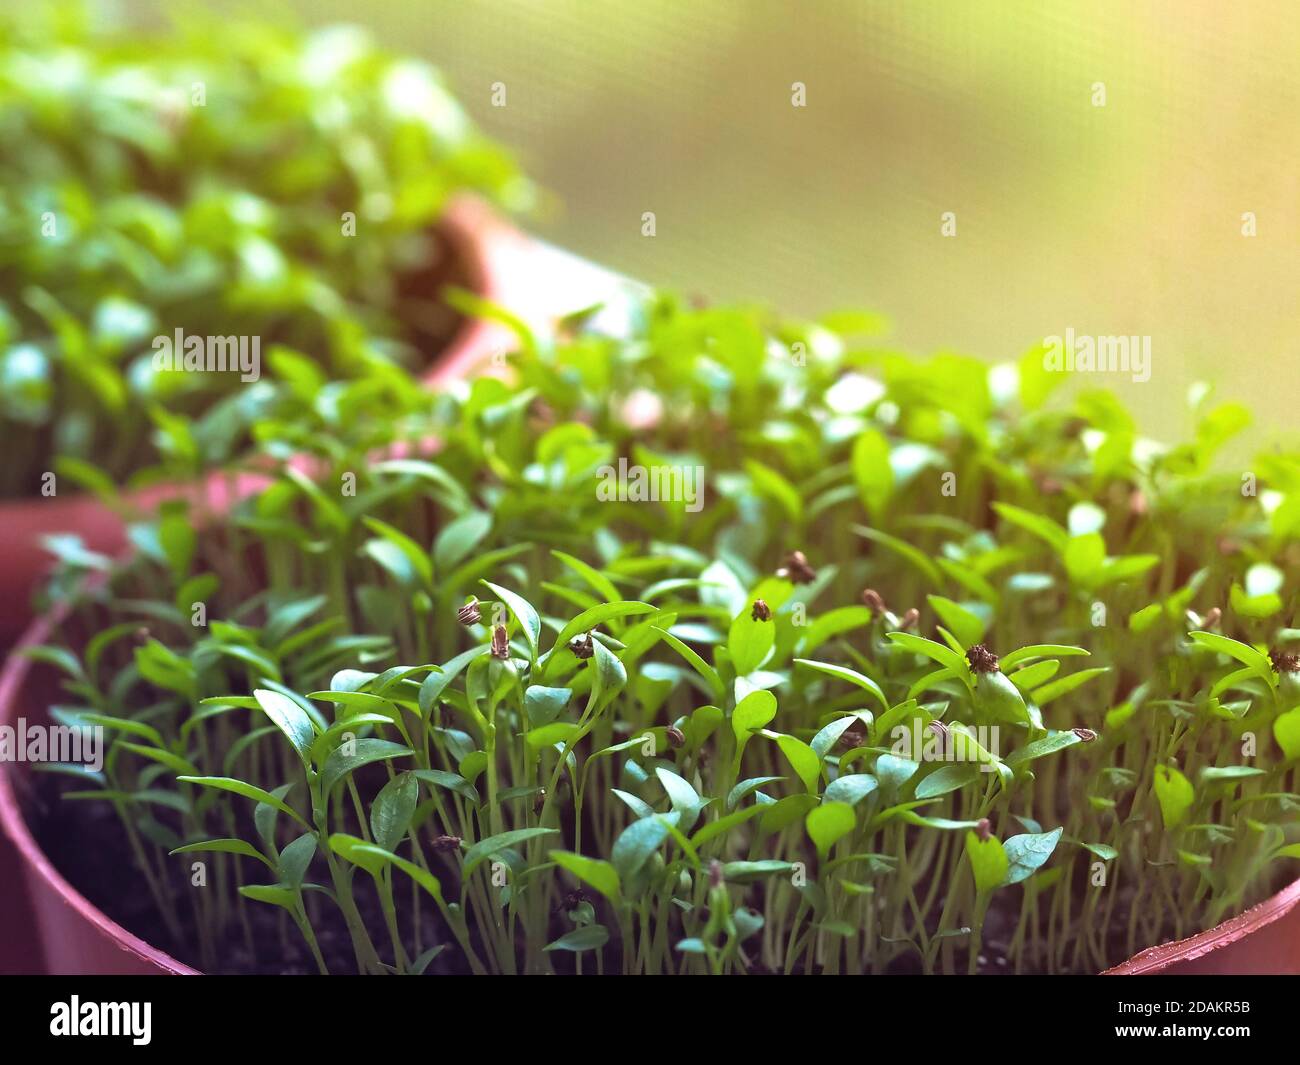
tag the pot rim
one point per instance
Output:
(1233, 930)
(14, 825)
(486, 244)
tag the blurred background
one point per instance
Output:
(1124, 218)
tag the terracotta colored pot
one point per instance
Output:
(493, 254)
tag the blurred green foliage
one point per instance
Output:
(210, 177)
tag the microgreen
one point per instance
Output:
(1002, 727)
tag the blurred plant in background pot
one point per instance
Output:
(225, 181)
(200, 226)
(735, 644)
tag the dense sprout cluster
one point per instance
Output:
(924, 673)
(252, 182)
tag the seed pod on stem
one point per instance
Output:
(796, 568)
(500, 642)
(995, 695)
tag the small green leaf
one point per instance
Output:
(543, 705)
(967, 626)
(1056, 741)
(1286, 730)
(348, 758)
(174, 762)
(290, 719)
(803, 759)
(635, 844)
(401, 555)
(748, 872)
(451, 781)
(753, 712)
(829, 823)
(1175, 795)
(1039, 650)
(892, 772)
(851, 789)
(588, 937)
(723, 825)
(850, 675)
(941, 653)
(248, 791)
(917, 558)
(486, 848)
(697, 663)
(275, 894)
(680, 793)
(548, 735)
(946, 779)
(1027, 853)
(393, 809)
(830, 734)
(1243, 653)
(226, 846)
(750, 642)
(599, 615)
(295, 860)
(458, 538)
(988, 862)
(833, 623)
(746, 786)
(1042, 527)
(594, 871)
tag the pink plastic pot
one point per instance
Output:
(1263, 940)
(495, 256)
(74, 936)
(77, 938)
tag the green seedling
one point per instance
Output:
(483, 716)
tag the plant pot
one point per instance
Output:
(1263, 940)
(75, 937)
(492, 254)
